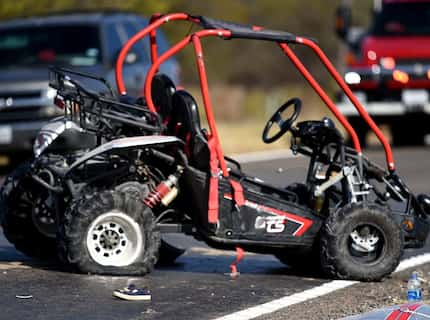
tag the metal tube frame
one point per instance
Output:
(157, 20)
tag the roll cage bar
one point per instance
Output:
(226, 30)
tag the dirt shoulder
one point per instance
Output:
(359, 298)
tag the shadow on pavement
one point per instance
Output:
(251, 264)
(10, 258)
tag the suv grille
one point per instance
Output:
(21, 114)
(424, 61)
(20, 95)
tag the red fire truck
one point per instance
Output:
(388, 67)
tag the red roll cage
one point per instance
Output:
(227, 30)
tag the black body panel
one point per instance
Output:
(269, 217)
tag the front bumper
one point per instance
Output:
(19, 136)
(382, 95)
(384, 108)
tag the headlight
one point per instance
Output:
(51, 93)
(352, 78)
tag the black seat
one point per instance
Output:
(424, 201)
(185, 124)
(162, 90)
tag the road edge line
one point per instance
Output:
(316, 292)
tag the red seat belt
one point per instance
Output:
(237, 193)
(213, 205)
(213, 202)
(233, 267)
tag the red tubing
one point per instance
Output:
(354, 100)
(330, 104)
(138, 36)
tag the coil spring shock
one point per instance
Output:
(165, 192)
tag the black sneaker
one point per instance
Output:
(133, 294)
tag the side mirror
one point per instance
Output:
(131, 57)
(343, 21)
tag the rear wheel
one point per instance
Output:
(27, 214)
(361, 243)
(110, 232)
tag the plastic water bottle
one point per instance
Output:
(414, 288)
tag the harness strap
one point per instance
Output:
(213, 202)
(213, 205)
(238, 196)
(240, 253)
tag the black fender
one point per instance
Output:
(123, 144)
(51, 131)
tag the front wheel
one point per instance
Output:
(110, 232)
(361, 242)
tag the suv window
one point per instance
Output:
(139, 47)
(48, 45)
(403, 18)
(114, 41)
(162, 43)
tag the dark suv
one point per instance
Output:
(87, 42)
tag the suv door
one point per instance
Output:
(140, 66)
(116, 36)
(170, 67)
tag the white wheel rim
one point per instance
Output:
(364, 244)
(114, 239)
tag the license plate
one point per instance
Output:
(5, 134)
(415, 97)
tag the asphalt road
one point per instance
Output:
(194, 288)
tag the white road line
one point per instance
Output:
(326, 288)
(260, 156)
(413, 262)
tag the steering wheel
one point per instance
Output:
(284, 125)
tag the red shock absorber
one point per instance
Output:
(165, 192)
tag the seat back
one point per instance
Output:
(185, 124)
(162, 91)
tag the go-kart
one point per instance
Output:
(350, 217)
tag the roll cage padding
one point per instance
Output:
(247, 31)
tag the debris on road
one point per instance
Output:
(28, 296)
(132, 293)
